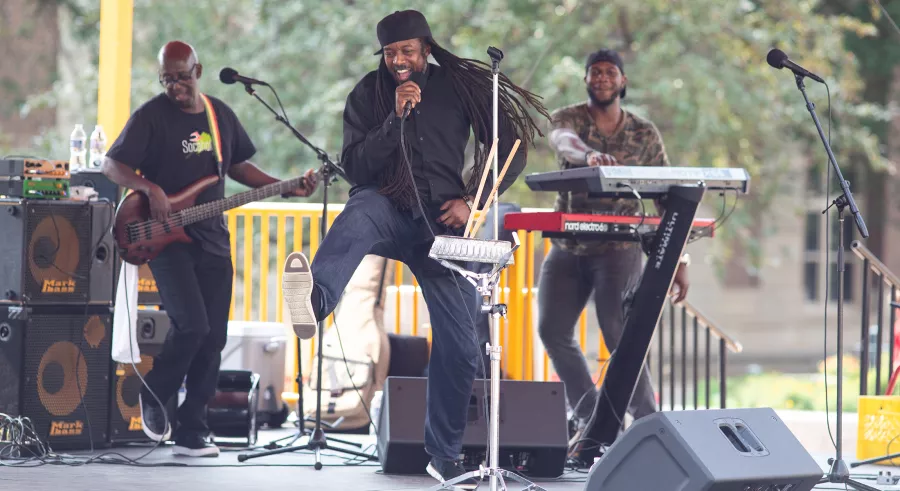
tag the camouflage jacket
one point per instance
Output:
(636, 142)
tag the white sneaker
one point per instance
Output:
(297, 285)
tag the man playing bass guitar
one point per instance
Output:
(175, 139)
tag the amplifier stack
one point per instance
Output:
(57, 287)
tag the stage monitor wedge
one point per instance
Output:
(706, 450)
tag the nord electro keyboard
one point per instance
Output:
(623, 181)
(606, 227)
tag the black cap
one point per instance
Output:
(607, 55)
(400, 26)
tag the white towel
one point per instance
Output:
(124, 337)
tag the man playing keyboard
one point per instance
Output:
(596, 132)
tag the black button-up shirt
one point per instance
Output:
(437, 130)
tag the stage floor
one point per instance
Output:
(162, 471)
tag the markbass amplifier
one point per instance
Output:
(54, 369)
(56, 252)
(148, 292)
(125, 411)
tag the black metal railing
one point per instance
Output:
(686, 322)
(876, 276)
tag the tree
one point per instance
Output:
(879, 66)
(697, 69)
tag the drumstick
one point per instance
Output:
(493, 194)
(487, 169)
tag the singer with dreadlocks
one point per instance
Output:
(409, 188)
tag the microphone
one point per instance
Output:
(229, 76)
(779, 60)
(419, 79)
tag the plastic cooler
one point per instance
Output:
(261, 347)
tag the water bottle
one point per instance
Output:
(98, 147)
(77, 150)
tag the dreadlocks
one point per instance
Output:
(473, 81)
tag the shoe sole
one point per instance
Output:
(296, 286)
(150, 434)
(195, 452)
(437, 475)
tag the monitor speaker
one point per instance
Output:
(533, 430)
(708, 450)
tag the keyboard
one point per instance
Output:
(616, 181)
(599, 226)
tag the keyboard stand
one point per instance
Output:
(666, 248)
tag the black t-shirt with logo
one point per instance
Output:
(174, 149)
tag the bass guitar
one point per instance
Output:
(140, 238)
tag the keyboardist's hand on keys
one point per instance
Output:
(595, 159)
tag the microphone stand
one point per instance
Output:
(495, 350)
(839, 473)
(317, 440)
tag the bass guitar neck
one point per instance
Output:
(139, 238)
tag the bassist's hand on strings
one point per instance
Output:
(159, 203)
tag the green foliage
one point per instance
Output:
(878, 54)
(697, 69)
(803, 391)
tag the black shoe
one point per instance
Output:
(445, 470)
(194, 445)
(153, 420)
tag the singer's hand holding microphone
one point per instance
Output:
(408, 94)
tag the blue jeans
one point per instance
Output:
(371, 224)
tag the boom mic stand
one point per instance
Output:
(838, 473)
(317, 440)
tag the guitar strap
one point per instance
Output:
(214, 129)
